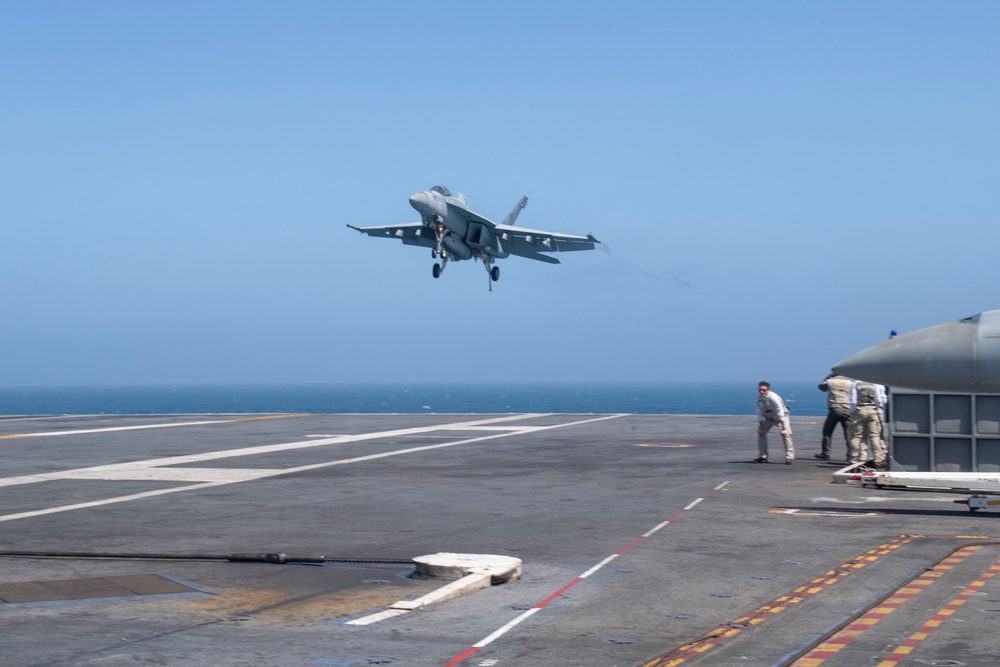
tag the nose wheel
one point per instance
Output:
(438, 251)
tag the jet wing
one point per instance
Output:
(531, 243)
(471, 216)
(410, 233)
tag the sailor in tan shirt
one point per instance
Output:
(838, 404)
(867, 408)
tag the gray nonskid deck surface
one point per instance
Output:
(645, 540)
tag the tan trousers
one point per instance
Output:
(784, 427)
(866, 429)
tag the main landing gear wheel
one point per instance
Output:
(495, 273)
(437, 271)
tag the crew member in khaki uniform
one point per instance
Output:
(867, 407)
(772, 411)
(838, 405)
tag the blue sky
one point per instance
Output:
(776, 185)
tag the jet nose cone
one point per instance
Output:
(938, 358)
(429, 203)
(419, 199)
(870, 364)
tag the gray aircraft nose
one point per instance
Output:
(424, 204)
(939, 358)
(419, 200)
(429, 203)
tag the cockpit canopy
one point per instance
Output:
(441, 190)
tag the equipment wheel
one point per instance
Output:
(434, 253)
(495, 273)
(437, 271)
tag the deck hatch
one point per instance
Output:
(59, 590)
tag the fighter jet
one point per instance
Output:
(960, 356)
(453, 232)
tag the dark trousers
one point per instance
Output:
(830, 425)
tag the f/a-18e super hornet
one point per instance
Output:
(453, 232)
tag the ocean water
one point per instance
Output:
(803, 398)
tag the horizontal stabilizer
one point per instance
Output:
(548, 259)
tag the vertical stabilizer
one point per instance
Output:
(512, 216)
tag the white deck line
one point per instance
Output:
(94, 472)
(153, 466)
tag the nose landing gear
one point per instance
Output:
(439, 250)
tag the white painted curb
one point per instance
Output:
(470, 572)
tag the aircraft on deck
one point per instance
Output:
(453, 232)
(960, 356)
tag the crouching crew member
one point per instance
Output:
(772, 411)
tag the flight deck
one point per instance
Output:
(643, 541)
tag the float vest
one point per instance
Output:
(867, 394)
(839, 393)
